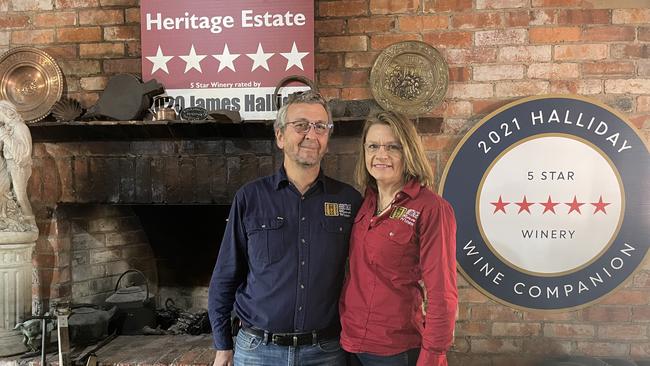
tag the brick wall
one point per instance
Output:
(497, 50)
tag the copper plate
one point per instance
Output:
(410, 77)
(31, 80)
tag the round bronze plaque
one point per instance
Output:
(409, 77)
(31, 80)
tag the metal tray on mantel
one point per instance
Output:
(31, 80)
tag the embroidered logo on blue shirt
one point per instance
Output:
(338, 209)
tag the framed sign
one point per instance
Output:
(552, 201)
(227, 55)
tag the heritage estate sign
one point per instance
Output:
(229, 55)
(552, 200)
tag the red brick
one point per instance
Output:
(393, 7)
(93, 83)
(360, 59)
(133, 48)
(356, 93)
(631, 16)
(554, 71)
(469, 56)
(495, 345)
(97, 17)
(641, 313)
(459, 74)
(342, 8)
(330, 78)
(55, 19)
(623, 331)
(472, 329)
(448, 39)
(62, 52)
(470, 294)
(643, 105)
(602, 68)
(581, 52)
(630, 51)
(437, 143)
(122, 66)
(453, 109)
(418, 23)
(476, 20)
(330, 93)
(32, 36)
(573, 331)
(557, 3)
(609, 349)
(521, 88)
(606, 314)
(60, 4)
(583, 16)
(488, 106)
(381, 41)
(497, 72)
(585, 86)
(609, 33)
(624, 86)
(554, 34)
(118, 2)
(516, 329)
(644, 34)
(501, 4)
(370, 25)
(500, 37)
(640, 350)
(548, 316)
(79, 34)
(544, 17)
(326, 61)
(627, 297)
(25, 5)
(517, 19)
(132, 15)
(343, 43)
(14, 21)
(495, 313)
(329, 27)
(122, 33)
(470, 91)
(435, 6)
(92, 50)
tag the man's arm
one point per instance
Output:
(229, 272)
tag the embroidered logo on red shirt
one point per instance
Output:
(406, 215)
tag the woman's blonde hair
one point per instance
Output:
(416, 164)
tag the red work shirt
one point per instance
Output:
(381, 302)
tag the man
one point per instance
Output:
(283, 254)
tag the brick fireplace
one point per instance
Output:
(106, 206)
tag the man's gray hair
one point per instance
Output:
(306, 97)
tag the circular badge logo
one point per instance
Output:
(551, 201)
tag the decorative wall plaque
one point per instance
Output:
(409, 77)
(31, 80)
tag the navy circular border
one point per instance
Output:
(464, 171)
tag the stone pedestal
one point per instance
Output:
(15, 287)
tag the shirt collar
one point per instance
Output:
(281, 180)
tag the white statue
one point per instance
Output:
(16, 167)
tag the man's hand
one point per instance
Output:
(223, 358)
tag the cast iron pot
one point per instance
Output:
(88, 323)
(135, 306)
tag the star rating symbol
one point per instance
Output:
(574, 205)
(600, 205)
(549, 205)
(524, 205)
(159, 61)
(193, 61)
(294, 58)
(260, 59)
(226, 59)
(500, 205)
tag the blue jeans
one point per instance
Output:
(251, 351)
(407, 358)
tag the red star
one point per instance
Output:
(600, 205)
(500, 205)
(523, 205)
(549, 205)
(575, 205)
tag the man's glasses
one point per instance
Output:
(303, 127)
(391, 149)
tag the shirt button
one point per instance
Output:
(302, 197)
(300, 308)
(302, 286)
(303, 218)
(391, 233)
(303, 240)
(263, 226)
(302, 263)
(340, 228)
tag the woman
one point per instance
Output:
(403, 233)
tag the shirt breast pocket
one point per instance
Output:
(266, 242)
(388, 247)
(337, 236)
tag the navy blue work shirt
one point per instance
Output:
(282, 257)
